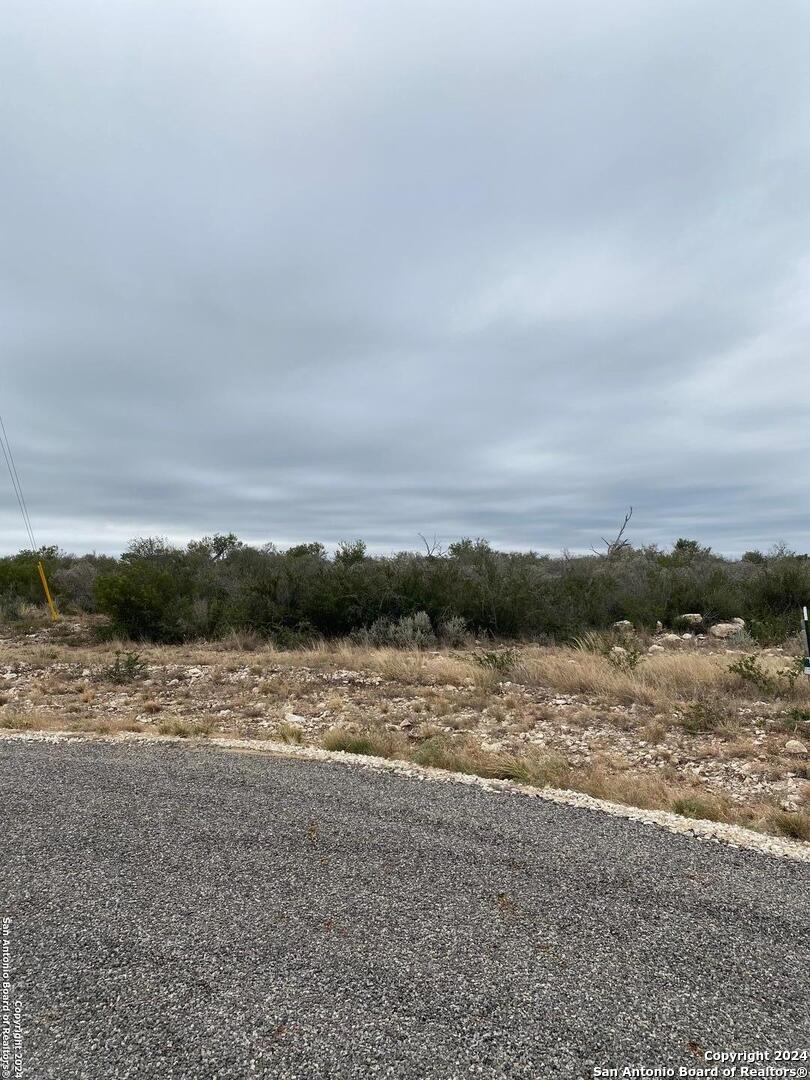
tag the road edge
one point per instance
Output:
(691, 828)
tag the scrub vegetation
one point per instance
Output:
(219, 586)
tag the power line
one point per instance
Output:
(18, 491)
(15, 483)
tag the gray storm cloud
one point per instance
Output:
(324, 270)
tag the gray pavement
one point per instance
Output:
(184, 912)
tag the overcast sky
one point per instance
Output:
(326, 269)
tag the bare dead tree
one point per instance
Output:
(432, 547)
(619, 543)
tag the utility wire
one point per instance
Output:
(18, 493)
(15, 483)
(19, 498)
(19, 484)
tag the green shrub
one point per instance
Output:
(773, 629)
(741, 640)
(294, 637)
(77, 584)
(408, 632)
(453, 632)
(144, 602)
(10, 608)
(750, 670)
(625, 657)
(704, 714)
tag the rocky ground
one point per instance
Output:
(680, 722)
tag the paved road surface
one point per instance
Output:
(197, 913)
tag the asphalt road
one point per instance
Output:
(198, 913)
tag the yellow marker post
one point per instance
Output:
(48, 597)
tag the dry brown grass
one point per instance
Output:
(397, 667)
(19, 720)
(661, 677)
(288, 733)
(659, 680)
(185, 729)
(462, 723)
(687, 704)
(411, 667)
(386, 744)
(242, 641)
(654, 732)
(792, 823)
(39, 720)
(579, 672)
(486, 679)
(108, 727)
(277, 688)
(648, 790)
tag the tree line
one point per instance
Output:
(160, 592)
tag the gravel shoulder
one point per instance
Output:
(198, 912)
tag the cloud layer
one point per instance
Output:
(317, 270)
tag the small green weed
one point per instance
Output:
(797, 722)
(500, 660)
(624, 657)
(783, 682)
(621, 650)
(127, 667)
(750, 670)
(793, 672)
(702, 715)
